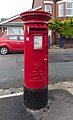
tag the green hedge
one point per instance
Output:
(64, 28)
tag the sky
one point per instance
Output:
(9, 8)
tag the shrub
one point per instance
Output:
(64, 28)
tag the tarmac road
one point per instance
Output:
(60, 72)
(60, 102)
(11, 69)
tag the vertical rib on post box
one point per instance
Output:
(35, 59)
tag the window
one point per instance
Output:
(69, 8)
(12, 37)
(48, 8)
(60, 9)
(14, 30)
(21, 38)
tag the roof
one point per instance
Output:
(3, 19)
(9, 19)
(39, 7)
(12, 24)
(7, 22)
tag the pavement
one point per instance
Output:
(56, 49)
(60, 101)
(60, 104)
(60, 107)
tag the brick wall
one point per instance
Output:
(68, 43)
(37, 3)
(2, 31)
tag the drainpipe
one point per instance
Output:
(32, 4)
(55, 8)
(55, 17)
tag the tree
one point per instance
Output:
(64, 28)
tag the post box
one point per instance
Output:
(35, 58)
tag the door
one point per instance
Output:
(21, 40)
(16, 42)
(13, 42)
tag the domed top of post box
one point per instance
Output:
(35, 16)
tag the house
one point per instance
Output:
(62, 9)
(11, 25)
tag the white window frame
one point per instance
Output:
(63, 1)
(50, 8)
(15, 30)
(60, 9)
(50, 2)
(69, 8)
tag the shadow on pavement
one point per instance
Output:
(60, 107)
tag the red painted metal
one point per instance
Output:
(12, 44)
(35, 49)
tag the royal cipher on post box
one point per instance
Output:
(35, 58)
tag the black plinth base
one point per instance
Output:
(35, 99)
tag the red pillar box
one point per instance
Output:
(35, 58)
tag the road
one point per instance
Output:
(60, 102)
(61, 57)
(60, 67)
(59, 72)
(11, 69)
